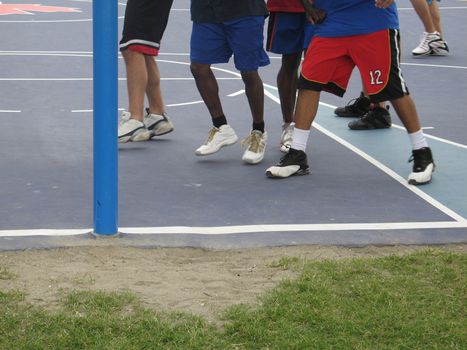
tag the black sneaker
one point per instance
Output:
(376, 118)
(356, 108)
(423, 166)
(293, 163)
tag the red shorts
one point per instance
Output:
(329, 63)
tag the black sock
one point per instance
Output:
(219, 121)
(259, 126)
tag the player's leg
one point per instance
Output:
(431, 39)
(155, 119)
(441, 49)
(208, 46)
(288, 35)
(319, 72)
(386, 83)
(245, 38)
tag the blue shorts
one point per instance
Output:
(216, 42)
(430, 1)
(288, 33)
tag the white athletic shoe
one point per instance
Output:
(157, 124)
(423, 166)
(130, 129)
(286, 137)
(217, 138)
(255, 145)
(428, 43)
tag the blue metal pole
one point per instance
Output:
(105, 85)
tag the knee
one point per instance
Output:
(199, 69)
(251, 78)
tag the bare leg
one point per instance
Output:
(137, 79)
(423, 12)
(287, 84)
(207, 86)
(435, 16)
(255, 93)
(307, 107)
(153, 88)
(407, 113)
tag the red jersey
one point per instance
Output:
(285, 6)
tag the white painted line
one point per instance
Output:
(185, 103)
(225, 230)
(441, 207)
(9, 111)
(433, 65)
(233, 94)
(452, 143)
(441, 8)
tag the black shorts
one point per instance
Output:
(144, 24)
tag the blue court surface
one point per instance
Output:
(355, 195)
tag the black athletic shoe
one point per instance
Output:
(423, 166)
(293, 163)
(376, 118)
(356, 108)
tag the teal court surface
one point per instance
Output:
(356, 193)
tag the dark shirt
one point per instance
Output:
(218, 11)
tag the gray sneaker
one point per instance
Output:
(130, 129)
(157, 124)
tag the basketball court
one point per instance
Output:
(355, 195)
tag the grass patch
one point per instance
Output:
(6, 274)
(410, 302)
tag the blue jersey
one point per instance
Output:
(354, 17)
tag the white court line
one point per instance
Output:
(89, 54)
(9, 111)
(223, 230)
(90, 79)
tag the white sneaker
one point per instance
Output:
(130, 129)
(440, 49)
(157, 124)
(217, 138)
(429, 42)
(256, 146)
(286, 137)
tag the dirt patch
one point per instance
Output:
(203, 282)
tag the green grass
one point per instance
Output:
(411, 302)
(6, 274)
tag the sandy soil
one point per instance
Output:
(192, 280)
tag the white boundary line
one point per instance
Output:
(223, 230)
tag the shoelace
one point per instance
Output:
(211, 135)
(425, 43)
(253, 141)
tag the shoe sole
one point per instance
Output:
(256, 161)
(154, 134)
(300, 172)
(415, 183)
(418, 183)
(143, 136)
(217, 149)
(421, 54)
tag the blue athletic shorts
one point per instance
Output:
(430, 1)
(216, 42)
(288, 33)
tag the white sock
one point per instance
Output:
(418, 140)
(299, 139)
